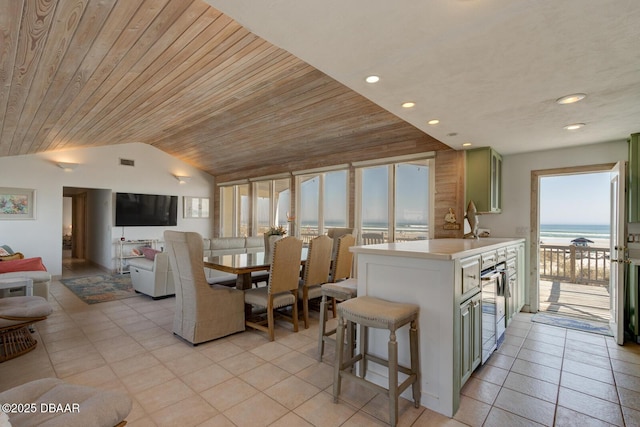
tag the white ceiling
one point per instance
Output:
(489, 70)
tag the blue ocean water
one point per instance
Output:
(572, 231)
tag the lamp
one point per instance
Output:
(68, 167)
(182, 179)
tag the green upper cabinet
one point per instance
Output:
(633, 185)
(483, 183)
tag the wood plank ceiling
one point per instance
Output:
(183, 77)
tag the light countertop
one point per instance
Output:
(437, 249)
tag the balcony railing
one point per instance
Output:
(575, 264)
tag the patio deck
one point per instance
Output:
(589, 302)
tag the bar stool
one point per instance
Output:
(371, 312)
(340, 291)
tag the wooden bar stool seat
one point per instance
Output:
(369, 312)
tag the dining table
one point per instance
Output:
(242, 265)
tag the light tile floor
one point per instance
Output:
(541, 375)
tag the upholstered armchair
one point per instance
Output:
(203, 312)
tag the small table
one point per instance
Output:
(16, 282)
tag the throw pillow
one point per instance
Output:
(149, 253)
(17, 255)
(3, 252)
(8, 249)
(27, 264)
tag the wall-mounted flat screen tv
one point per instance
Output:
(146, 210)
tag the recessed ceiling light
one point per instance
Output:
(433, 122)
(466, 144)
(574, 126)
(570, 99)
(408, 104)
(372, 79)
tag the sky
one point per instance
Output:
(575, 199)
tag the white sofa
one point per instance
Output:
(155, 278)
(152, 277)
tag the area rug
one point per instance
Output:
(573, 323)
(101, 288)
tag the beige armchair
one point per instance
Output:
(203, 312)
(316, 273)
(281, 290)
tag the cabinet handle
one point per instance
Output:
(471, 276)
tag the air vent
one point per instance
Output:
(127, 162)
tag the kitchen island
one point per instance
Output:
(443, 277)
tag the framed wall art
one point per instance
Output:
(17, 203)
(196, 207)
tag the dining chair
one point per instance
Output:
(343, 263)
(335, 233)
(372, 238)
(282, 287)
(316, 272)
(203, 312)
(258, 277)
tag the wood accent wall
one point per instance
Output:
(449, 192)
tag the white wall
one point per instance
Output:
(515, 219)
(99, 168)
(99, 228)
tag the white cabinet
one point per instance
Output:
(441, 276)
(127, 249)
(515, 281)
(470, 336)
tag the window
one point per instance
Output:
(374, 194)
(394, 200)
(234, 210)
(269, 204)
(272, 202)
(262, 195)
(322, 202)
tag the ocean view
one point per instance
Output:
(565, 233)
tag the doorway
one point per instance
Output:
(571, 228)
(74, 228)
